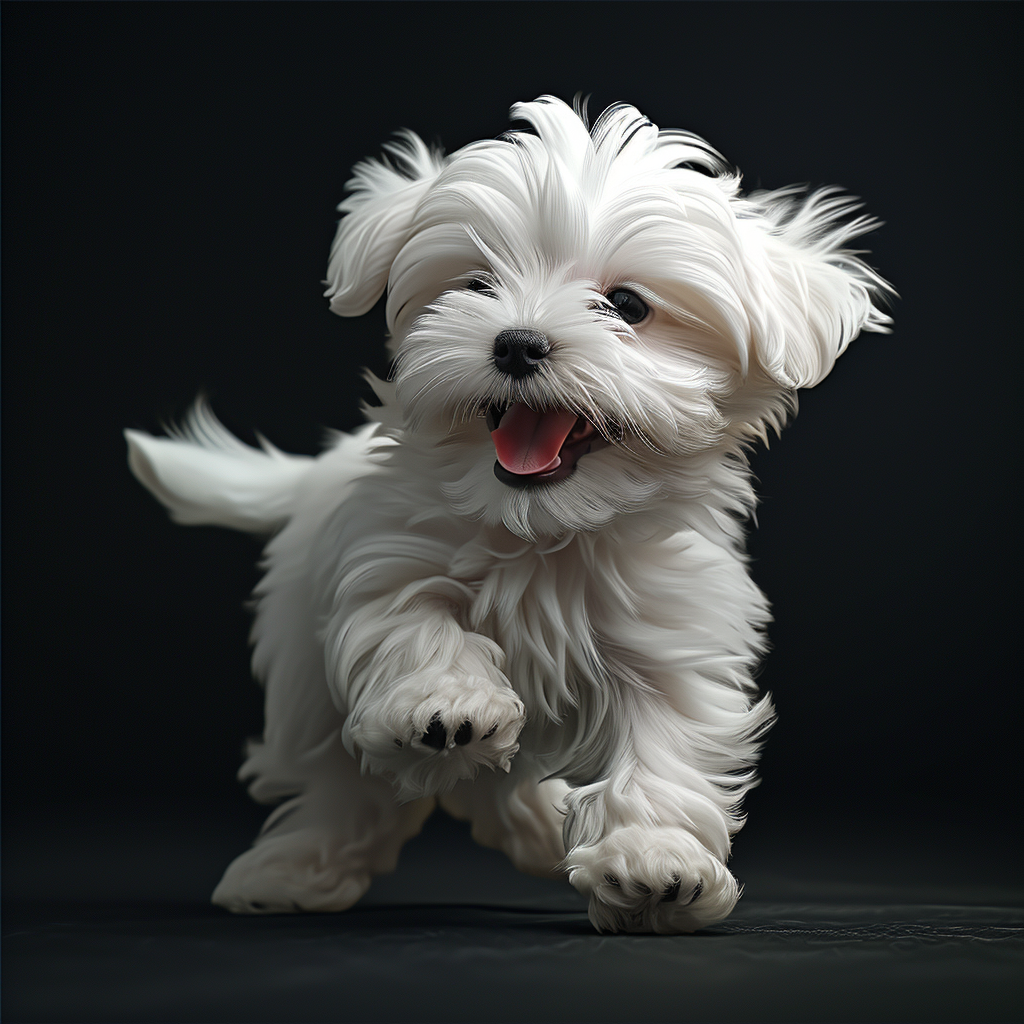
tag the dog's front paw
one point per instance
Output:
(652, 880)
(428, 737)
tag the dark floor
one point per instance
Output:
(107, 922)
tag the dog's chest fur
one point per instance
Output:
(599, 614)
(540, 607)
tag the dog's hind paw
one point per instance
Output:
(298, 872)
(652, 880)
(428, 738)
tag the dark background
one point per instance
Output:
(170, 178)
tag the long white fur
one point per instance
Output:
(600, 632)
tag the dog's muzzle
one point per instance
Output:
(534, 446)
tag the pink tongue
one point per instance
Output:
(527, 441)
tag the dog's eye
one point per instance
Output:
(628, 305)
(476, 285)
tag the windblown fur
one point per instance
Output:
(557, 645)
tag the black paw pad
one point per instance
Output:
(435, 736)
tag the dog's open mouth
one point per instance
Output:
(539, 446)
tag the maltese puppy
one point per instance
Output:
(519, 592)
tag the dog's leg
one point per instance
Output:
(337, 827)
(522, 818)
(672, 746)
(429, 702)
(648, 843)
(319, 850)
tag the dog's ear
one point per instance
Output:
(383, 195)
(811, 296)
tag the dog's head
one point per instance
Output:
(589, 322)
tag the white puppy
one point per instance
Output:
(520, 592)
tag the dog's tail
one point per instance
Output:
(205, 475)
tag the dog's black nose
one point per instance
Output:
(518, 352)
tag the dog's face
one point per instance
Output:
(585, 321)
